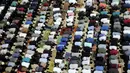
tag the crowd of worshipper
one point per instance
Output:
(64, 36)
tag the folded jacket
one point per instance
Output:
(113, 52)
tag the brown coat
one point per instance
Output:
(65, 8)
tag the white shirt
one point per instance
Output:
(56, 9)
(1, 8)
(102, 46)
(83, 9)
(116, 36)
(3, 51)
(4, 45)
(73, 66)
(57, 23)
(25, 64)
(53, 33)
(113, 47)
(79, 33)
(25, 26)
(126, 16)
(75, 54)
(127, 1)
(30, 52)
(87, 62)
(126, 31)
(98, 71)
(24, 1)
(72, 71)
(126, 28)
(56, 69)
(47, 47)
(86, 44)
(70, 19)
(22, 34)
(86, 58)
(58, 61)
(92, 14)
(37, 31)
(102, 38)
(86, 71)
(128, 71)
(40, 50)
(105, 20)
(51, 36)
(104, 32)
(91, 32)
(44, 55)
(41, 24)
(126, 47)
(90, 36)
(7, 15)
(28, 56)
(69, 24)
(78, 43)
(59, 19)
(72, 1)
(43, 60)
(12, 8)
(89, 2)
(115, 2)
